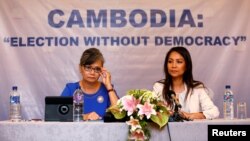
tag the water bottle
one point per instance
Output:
(15, 105)
(78, 100)
(228, 103)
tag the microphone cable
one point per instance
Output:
(169, 133)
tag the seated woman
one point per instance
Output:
(191, 94)
(98, 96)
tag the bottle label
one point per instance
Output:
(14, 99)
(231, 98)
(228, 97)
(78, 97)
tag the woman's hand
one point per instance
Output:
(91, 116)
(171, 112)
(106, 78)
(192, 116)
(184, 115)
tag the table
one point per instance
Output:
(62, 131)
(116, 131)
(198, 130)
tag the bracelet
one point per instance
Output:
(109, 90)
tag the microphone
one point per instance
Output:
(173, 96)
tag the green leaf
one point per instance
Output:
(116, 112)
(119, 115)
(161, 118)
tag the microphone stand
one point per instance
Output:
(176, 116)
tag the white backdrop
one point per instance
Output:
(42, 70)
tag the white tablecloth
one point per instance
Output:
(198, 130)
(99, 131)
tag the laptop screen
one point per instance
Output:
(58, 108)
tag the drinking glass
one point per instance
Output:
(241, 110)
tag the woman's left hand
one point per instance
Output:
(192, 116)
(106, 78)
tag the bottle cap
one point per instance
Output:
(228, 87)
(14, 88)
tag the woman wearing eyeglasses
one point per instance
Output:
(98, 96)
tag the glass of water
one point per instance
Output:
(241, 110)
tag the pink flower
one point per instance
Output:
(136, 105)
(146, 109)
(134, 123)
(138, 135)
(129, 104)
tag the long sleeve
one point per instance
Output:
(209, 109)
(157, 89)
(199, 101)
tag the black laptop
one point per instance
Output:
(58, 108)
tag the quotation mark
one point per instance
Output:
(6, 39)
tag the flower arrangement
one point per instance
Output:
(140, 106)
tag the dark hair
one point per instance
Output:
(90, 56)
(187, 76)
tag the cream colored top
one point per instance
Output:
(198, 101)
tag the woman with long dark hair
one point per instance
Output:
(192, 95)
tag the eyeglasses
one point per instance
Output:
(88, 68)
